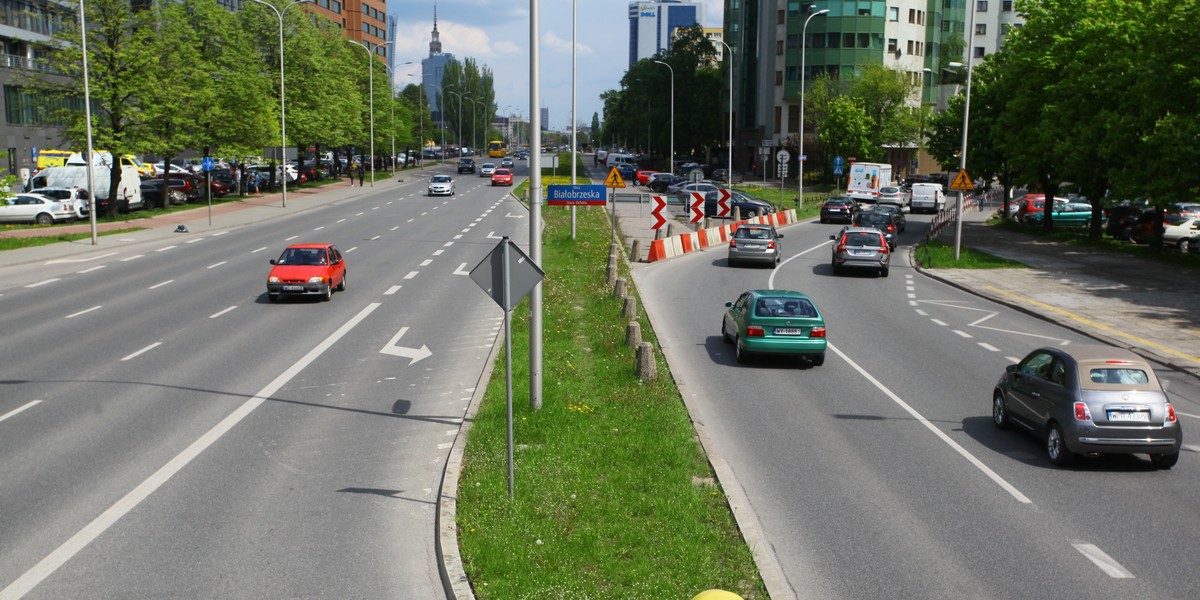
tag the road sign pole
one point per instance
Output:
(613, 211)
(508, 370)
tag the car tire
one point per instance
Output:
(724, 334)
(741, 355)
(730, 262)
(1056, 446)
(272, 298)
(999, 411)
(884, 272)
(824, 220)
(1182, 245)
(328, 293)
(818, 360)
(1164, 461)
(342, 285)
(750, 214)
(44, 219)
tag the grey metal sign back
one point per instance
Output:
(523, 274)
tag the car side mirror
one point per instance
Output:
(272, 261)
(728, 305)
(1010, 369)
(833, 237)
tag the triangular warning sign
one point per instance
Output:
(962, 183)
(614, 179)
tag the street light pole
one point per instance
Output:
(671, 158)
(803, 76)
(474, 142)
(459, 128)
(729, 64)
(962, 157)
(282, 105)
(371, 91)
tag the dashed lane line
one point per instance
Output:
(158, 285)
(217, 314)
(142, 351)
(19, 410)
(1106, 563)
(84, 311)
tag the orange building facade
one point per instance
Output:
(361, 21)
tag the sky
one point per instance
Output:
(495, 33)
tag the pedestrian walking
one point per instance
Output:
(361, 174)
(350, 171)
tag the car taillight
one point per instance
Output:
(1171, 418)
(817, 332)
(891, 228)
(754, 331)
(1082, 413)
(770, 245)
(841, 247)
(732, 244)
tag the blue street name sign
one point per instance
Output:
(577, 195)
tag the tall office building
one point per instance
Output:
(545, 115)
(652, 25)
(433, 67)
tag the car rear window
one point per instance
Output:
(784, 307)
(1119, 376)
(873, 218)
(752, 233)
(861, 238)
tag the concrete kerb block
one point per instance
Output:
(610, 276)
(647, 369)
(629, 308)
(619, 289)
(633, 334)
(635, 252)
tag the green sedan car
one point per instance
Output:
(1066, 214)
(780, 322)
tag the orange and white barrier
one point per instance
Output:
(694, 241)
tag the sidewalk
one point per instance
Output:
(1118, 299)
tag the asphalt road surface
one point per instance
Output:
(165, 431)
(880, 475)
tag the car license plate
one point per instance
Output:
(788, 331)
(293, 288)
(860, 253)
(1143, 417)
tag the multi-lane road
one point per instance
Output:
(165, 431)
(880, 475)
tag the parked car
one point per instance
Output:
(502, 177)
(779, 322)
(1121, 219)
(1032, 203)
(1089, 399)
(76, 197)
(683, 190)
(441, 185)
(755, 243)
(486, 169)
(152, 194)
(307, 270)
(884, 222)
(35, 208)
(839, 208)
(897, 215)
(628, 172)
(1177, 230)
(466, 165)
(722, 175)
(643, 176)
(747, 206)
(662, 182)
(1187, 209)
(861, 248)
(1066, 214)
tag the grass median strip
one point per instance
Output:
(614, 497)
(936, 254)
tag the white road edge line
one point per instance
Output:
(48, 565)
(1106, 563)
(131, 357)
(16, 411)
(771, 277)
(1177, 411)
(83, 312)
(1006, 486)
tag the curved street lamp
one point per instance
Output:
(460, 135)
(442, 114)
(474, 139)
(282, 106)
(371, 92)
(671, 158)
(729, 63)
(803, 76)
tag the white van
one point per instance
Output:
(613, 159)
(927, 197)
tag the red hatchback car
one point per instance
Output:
(502, 177)
(307, 270)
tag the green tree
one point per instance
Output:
(596, 136)
(846, 128)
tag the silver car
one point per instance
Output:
(755, 243)
(35, 208)
(861, 248)
(441, 185)
(1089, 399)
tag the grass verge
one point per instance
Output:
(936, 254)
(614, 497)
(15, 243)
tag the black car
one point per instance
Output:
(466, 165)
(662, 182)
(1122, 218)
(895, 211)
(884, 222)
(746, 205)
(839, 208)
(152, 193)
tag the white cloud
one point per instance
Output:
(553, 43)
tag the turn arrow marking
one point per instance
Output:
(414, 354)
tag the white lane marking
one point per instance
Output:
(220, 233)
(411, 274)
(395, 228)
(771, 277)
(492, 236)
(447, 244)
(912, 303)
(216, 264)
(438, 252)
(340, 220)
(59, 261)
(411, 220)
(467, 230)
(458, 237)
(83, 312)
(213, 316)
(939, 322)
(512, 216)
(165, 248)
(1012, 359)
(319, 228)
(922, 313)
(392, 290)
(90, 269)
(1177, 411)
(158, 285)
(462, 270)
(1106, 563)
(376, 237)
(42, 282)
(134, 257)
(142, 351)
(376, 208)
(193, 241)
(291, 238)
(258, 250)
(962, 333)
(426, 262)
(16, 411)
(1006, 486)
(48, 565)
(1191, 447)
(987, 346)
(352, 249)
(911, 296)
(360, 214)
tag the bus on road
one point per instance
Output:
(497, 149)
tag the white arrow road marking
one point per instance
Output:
(461, 270)
(512, 216)
(414, 354)
(492, 236)
(79, 260)
(14, 413)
